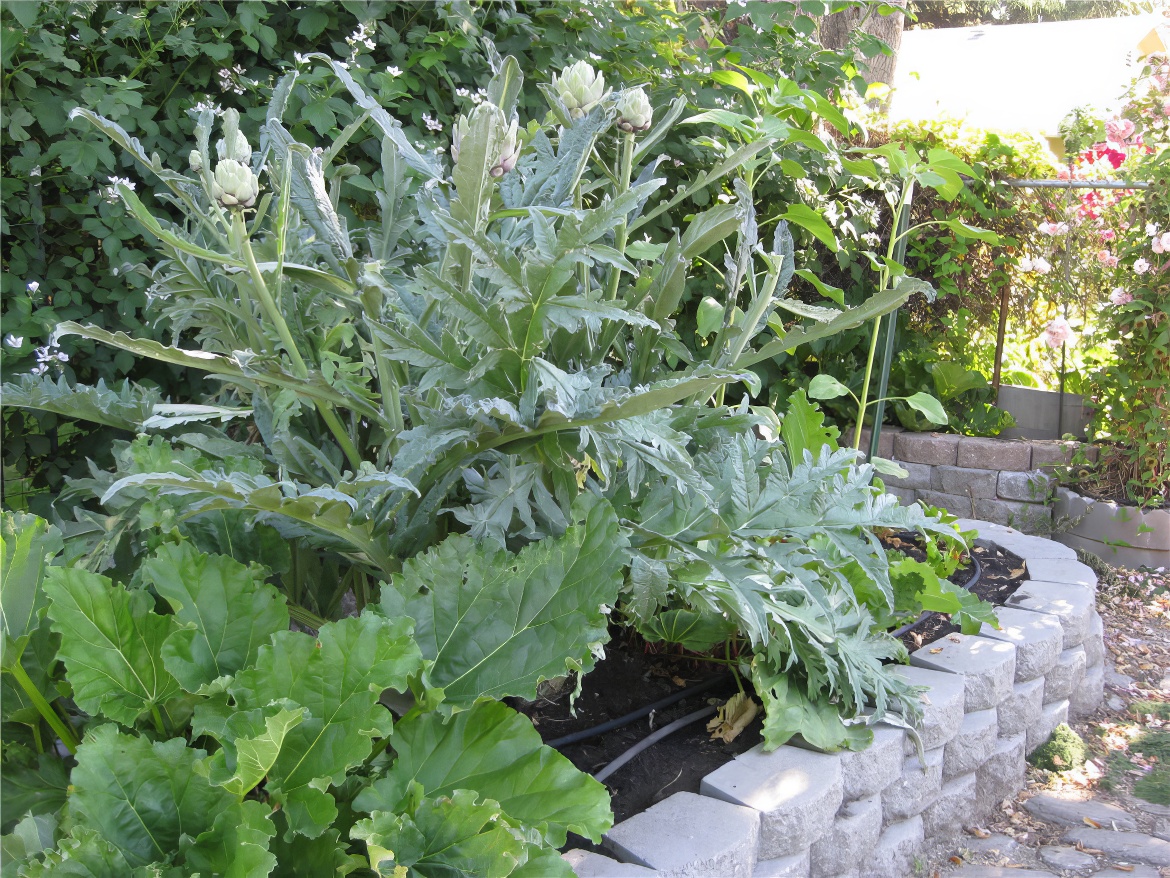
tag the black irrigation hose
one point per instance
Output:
(612, 724)
(654, 739)
(898, 632)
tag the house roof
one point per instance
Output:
(1021, 77)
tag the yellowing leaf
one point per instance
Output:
(733, 717)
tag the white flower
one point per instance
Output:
(13, 341)
(1057, 332)
(394, 71)
(1141, 266)
(432, 123)
(463, 92)
(1025, 265)
(1151, 229)
(110, 193)
(1120, 296)
(33, 286)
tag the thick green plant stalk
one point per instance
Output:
(64, 732)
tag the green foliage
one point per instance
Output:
(1154, 785)
(275, 737)
(1063, 751)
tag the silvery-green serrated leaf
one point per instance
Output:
(125, 408)
(337, 677)
(496, 752)
(118, 134)
(111, 643)
(498, 624)
(166, 415)
(813, 312)
(225, 611)
(311, 199)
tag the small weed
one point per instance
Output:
(1157, 709)
(1063, 751)
(1155, 786)
(1116, 766)
(1153, 743)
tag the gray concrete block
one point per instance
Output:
(936, 449)
(1038, 639)
(1030, 487)
(590, 865)
(1022, 708)
(797, 793)
(1071, 604)
(1052, 453)
(1094, 643)
(973, 745)
(795, 866)
(1072, 572)
(1130, 847)
(952, 503)
(850, 842)
(965, 482)
(885, 440)
(906, 496)
(1066, 675)
(1000, 454)
(1001, 776)
(1027, 517)
(1067, 811)
(1052, 715)
(689, 836)
(869, 771)
(915, 789)
(1017, 542)
(988, 666)
(942, 705)
(1088, 696)
(918, 476)
(953, 808)
(896, 849)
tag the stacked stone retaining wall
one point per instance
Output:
(1004, 481)
(989, 700)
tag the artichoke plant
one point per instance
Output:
(580, 88)
(634, 111)
(506, 139)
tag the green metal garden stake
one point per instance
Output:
(891, 332)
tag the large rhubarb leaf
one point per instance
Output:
(251, 742)
(236, 845)
(445, 836)
(143, 797)
(337, 677)
(27, 544)
(225, 612)
(111, 643)
(494, 750)
(497, 624)
(85, 854)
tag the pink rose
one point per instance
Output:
(1157, 245)
(1141, 266)
(1040, 265)
(1108, 234)
(1118, 130)
(1057, 332)
(1051, 229)
(1166, 109)
(1120, 297)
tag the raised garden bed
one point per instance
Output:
(989, 699)
(1125, 536)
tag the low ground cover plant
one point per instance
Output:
(446, 447)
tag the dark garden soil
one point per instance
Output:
(634, 673)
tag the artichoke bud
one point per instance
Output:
(234, 184)
(580, 88)
(509, 153)
(196, 161)
(234, 145)
(634, 111)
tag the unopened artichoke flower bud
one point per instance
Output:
(234, 184)
(634, 111)
(509, 153)
(580, 88)
(195, 159)
(234, 144)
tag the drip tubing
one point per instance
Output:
(654, 739)
(898, 632)
(612, 724)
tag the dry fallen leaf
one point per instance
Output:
(979, 833)
(936, 650)
(956, 860)
(678, 681)
(1122, 868)
(733, 717)
(1092, 822)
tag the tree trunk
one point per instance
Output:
(836, 31)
